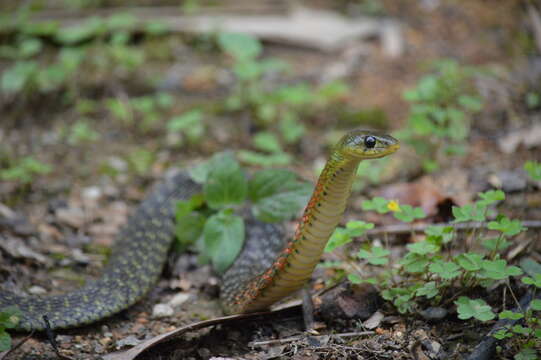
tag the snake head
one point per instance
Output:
(366, 144)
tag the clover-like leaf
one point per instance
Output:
(507, 226)
(445, 269)
(507, 314)
(429, 290)
(409, 213)
(376, 256)
(423, 248)
(470, 261)
(478, 309)
(498, 269)
(377, 204)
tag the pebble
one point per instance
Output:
(433, 313)
(161, 311)
(72, 216)
(130, 340)
(179, 299)
(37, 290)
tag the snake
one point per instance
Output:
(269, 267)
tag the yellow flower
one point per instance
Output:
(393, 206)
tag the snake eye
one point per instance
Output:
(369, 142)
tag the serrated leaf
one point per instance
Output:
(414, 263)
(496, 244)
(223, 238)
(507, 226)
(423, 248)
(378, 204)
(445, 269)
(376, 256)
(498, 269)
(470, 261)
(429, 290)
(478, 309)
(510, 315)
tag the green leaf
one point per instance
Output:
(189, 223)
(491, 197)
(339, 238)
(471, 103)
(10, 317)
(355, 279)
(190, 123)
(378, 204)
(5, 340)
(255, 158)
(226, 184)
(526, 354)
(15, 78)
(376, 256)
(291, 128)
(478, 309)
(240, 46)
(266, 141)
(506, 314)
(223, 238)
(502, 334)
(498, 269)
(535, 305)
(536, 280)
(357, 228)
(521, 330)
(408, 213)
(439, 235)
(284, 203)
(506, 226)
(268, 182)
(429, 290)
(422, 248)
(496, 244)
(469, 212)
(414, 263)
(470, 261)
(444, 269)
(74, 34)
(533, 168)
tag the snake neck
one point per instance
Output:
(295, 264)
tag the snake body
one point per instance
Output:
(266, 270)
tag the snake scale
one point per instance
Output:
(267, 269)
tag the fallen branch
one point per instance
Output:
(300, 337)
(4, 354)
(144, 346)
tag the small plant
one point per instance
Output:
(9, 318)
(442, 105)
(533, 168)
(24, 170)
(82, 132)
(143, 112)
(190, 124)
(270, 151)
(279, 108)
(209, 219)
(430, 274)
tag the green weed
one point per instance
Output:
(209, 220)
